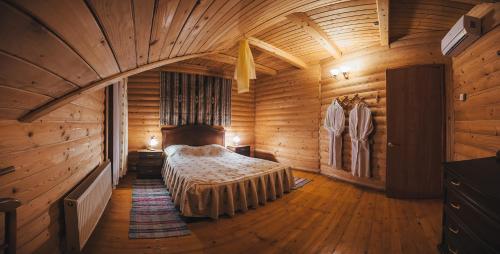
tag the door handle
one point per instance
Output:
(390, 144)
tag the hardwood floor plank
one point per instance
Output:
(324, 216)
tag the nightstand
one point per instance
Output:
(149, 163)
(241, 149)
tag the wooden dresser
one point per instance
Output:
(471, 216)
(241, 149)
(149, 163)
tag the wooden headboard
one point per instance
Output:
(193, 135)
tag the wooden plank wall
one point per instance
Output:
(287, 118)
(476, 72)
(50, 156)
(144, 108)
(367, 79)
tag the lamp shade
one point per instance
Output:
(236, 140)
(153, 142)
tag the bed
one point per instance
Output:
(207, 180)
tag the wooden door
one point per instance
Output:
(415, 131)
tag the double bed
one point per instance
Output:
(207, 180)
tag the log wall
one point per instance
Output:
(476, 73)
(287, 116)
(144, 108)
(367, 79)
(50, 156)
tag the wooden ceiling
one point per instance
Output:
(53, 51)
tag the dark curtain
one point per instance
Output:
(194, 99)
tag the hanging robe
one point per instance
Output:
(360, 126)
(245, 67)
(334, 123)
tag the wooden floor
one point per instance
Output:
(325, 216)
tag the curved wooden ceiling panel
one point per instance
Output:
(116, 19)
(75, 24)
(17, 73)
(67, 48)
(26, 38)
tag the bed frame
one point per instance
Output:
(193, 135)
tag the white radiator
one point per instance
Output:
(84, 206)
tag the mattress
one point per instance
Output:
(209, 181)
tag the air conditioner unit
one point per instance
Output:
(462, 34)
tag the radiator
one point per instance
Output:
(84, 206)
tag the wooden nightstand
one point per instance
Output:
(241, 149)
(149, 163)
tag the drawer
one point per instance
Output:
(147, 155)
(473, 218)
(459, 240)
(150, 162)
(245, 149)
(489, 205)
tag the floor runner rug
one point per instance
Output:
(153, 215)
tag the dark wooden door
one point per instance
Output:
(415, 139)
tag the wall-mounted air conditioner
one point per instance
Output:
(461, 35)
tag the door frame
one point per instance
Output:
(444, 124)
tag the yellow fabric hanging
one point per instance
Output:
(245, 67)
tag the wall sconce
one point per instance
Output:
(153, 141)
(236, 140)
(335, 73)
(345, 71)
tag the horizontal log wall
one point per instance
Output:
(144, 109)
(476, 72)
(367, 79)
(287, 116)
(50, 156)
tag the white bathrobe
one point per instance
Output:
(360, 126)
(334, 123)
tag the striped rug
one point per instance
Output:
(300, 182)
(153, 214)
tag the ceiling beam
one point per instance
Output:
(195, 69)
(71, 96)
(383, 21)
(277, 52)
(227, 59)
(310, 27)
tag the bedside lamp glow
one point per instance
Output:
(153, 142)
(236, 140)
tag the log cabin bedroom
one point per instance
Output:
(249, 126)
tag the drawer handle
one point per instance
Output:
(455, 205)
(452, 251)
(455, 183)
(454, 231)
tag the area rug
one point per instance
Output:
(300, 182)
(153, 214)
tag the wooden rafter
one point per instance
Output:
(277, 52)
(227, 59)
(383, 21)
(316, 32)
(69, 97)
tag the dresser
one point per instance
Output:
(471, 208)
(241, 149)
(149, 163)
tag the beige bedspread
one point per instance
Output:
(211, 180)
